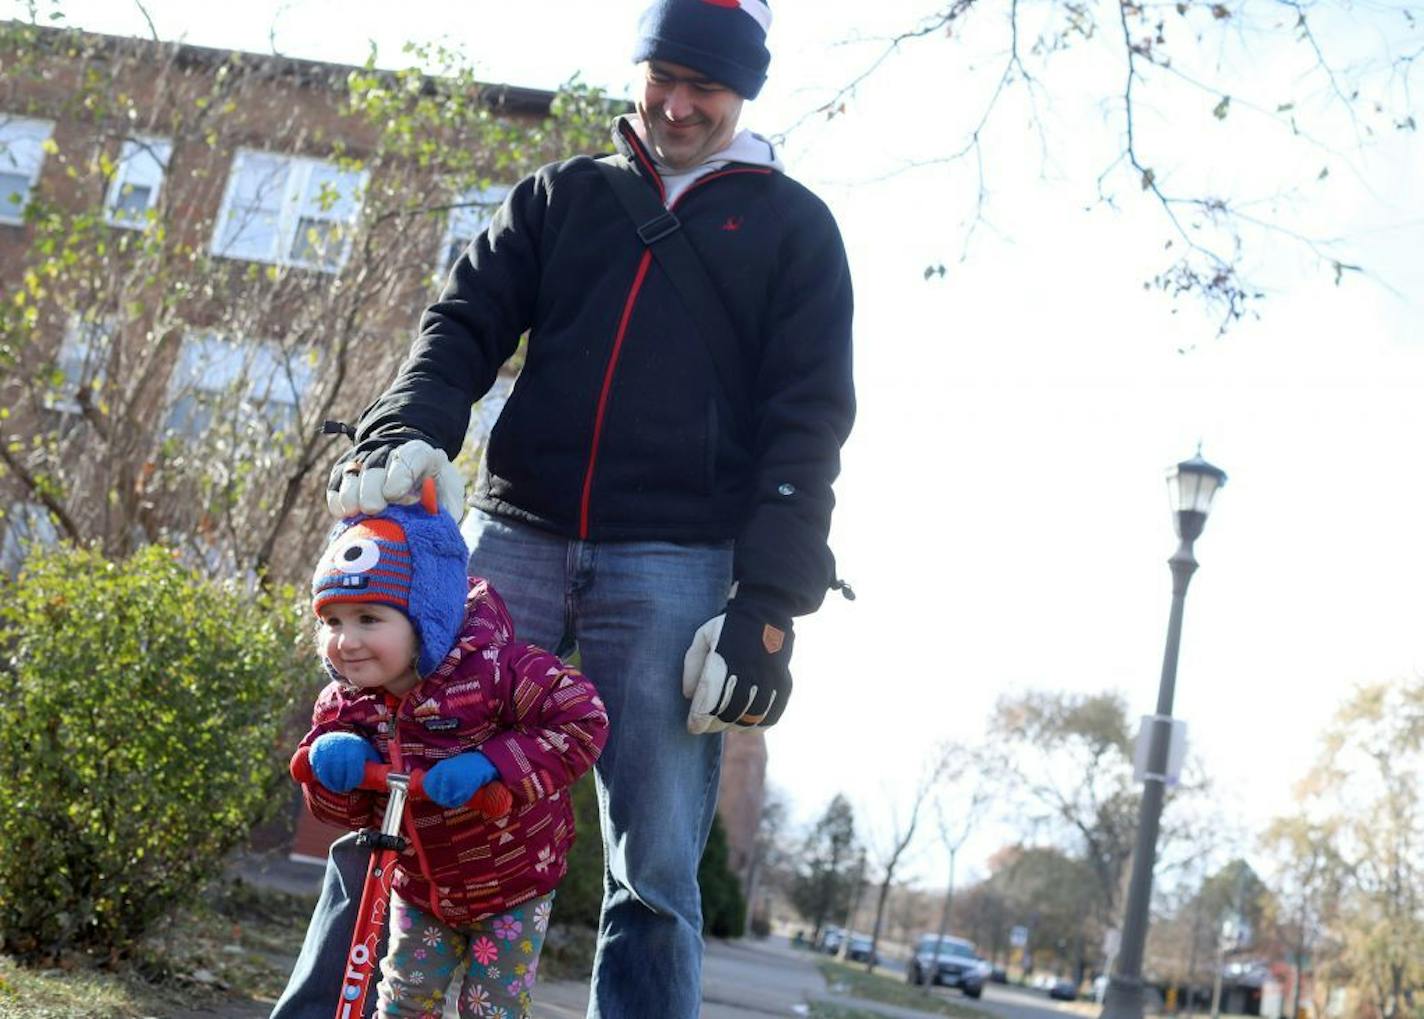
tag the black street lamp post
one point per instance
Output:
(1191, 485)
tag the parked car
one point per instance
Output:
(830, 942)
(998, 975)
(859, 949)
(949, 962)
(1063, 989)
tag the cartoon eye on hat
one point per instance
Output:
(356, 556)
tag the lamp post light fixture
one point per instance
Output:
(1191, 485)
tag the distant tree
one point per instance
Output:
(1053, 895)
(1308, 880)
(824, 882)
(1191, 933)
(982, 912)
(1071, 755)
(902, 834)
(1173, 101)
(1368, 787)
(969, 779)
(769, 865)
(724, 911)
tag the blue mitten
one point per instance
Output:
(454, 780)
(338, 759)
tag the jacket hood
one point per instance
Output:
(487, 620)
(746, 147)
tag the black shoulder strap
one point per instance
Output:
(660, 230)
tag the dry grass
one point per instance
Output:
(237, 944)
(854, 982)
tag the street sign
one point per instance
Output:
(1018, 937)
(1176, 750)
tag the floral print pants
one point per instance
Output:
(503, 954)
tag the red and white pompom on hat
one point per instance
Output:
(724, 39)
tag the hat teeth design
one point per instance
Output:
(370, 563)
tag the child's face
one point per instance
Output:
(370, 645)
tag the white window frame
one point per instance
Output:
(82, 355)
(22, 152)
(469, 217)
(143, 162)
(25, 523)
(290, 202)
(211, 362)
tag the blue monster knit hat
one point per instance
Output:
(411, 558)
(724, 39)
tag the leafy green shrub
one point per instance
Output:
(724, 913)
(142, 709)
(580, 893)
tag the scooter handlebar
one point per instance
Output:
(493, 800)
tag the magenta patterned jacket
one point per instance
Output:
(537, 719)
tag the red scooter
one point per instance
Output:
(493, 800)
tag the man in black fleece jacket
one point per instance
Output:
(656, 491)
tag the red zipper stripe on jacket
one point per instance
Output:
(636, 145)
(623, 330)
(607, 385)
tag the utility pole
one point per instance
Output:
(1192, 484)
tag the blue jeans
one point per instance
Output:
(631, 609)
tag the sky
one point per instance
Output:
(1001, 513)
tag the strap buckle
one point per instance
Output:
(655, 230)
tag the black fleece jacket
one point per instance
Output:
(617, 427)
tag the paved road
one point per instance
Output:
(740, 980)
(754, 979)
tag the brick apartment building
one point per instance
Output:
(199, 245)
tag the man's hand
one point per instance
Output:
(381, 471)
(737, 670)
(338, 760)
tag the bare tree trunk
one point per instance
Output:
(844, 950)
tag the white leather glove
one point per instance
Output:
(704, 679)
(366, 481)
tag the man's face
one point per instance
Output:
(688, 116)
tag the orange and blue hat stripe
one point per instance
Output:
(369, 562)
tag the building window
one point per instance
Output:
(22, 152)
(26, 524)
(134, 189)
(248, 383)
(287, 210)
(83, 353)
(468, 219)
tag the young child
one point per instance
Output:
(427, 674)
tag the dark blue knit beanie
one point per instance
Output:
(724, 39)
